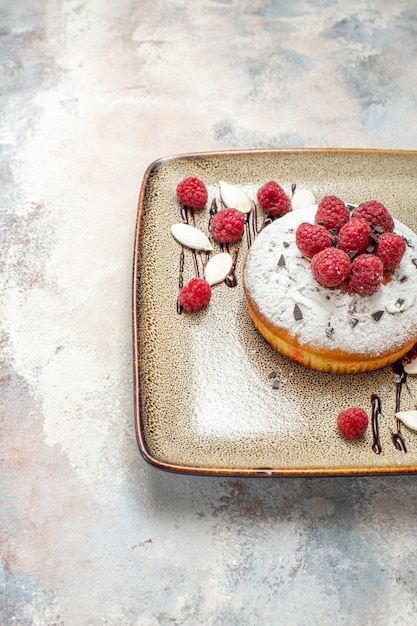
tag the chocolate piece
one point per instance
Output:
(352, 254)
(353, 321)
(377, 230)
(286, 244)
(403, 279)
(281, 261)
(377, 315)
(298, 315)
(399, 302)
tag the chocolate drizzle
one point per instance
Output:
(376, 412)
(231, 280)
(187, 215)
(400, 378)
(251, 227)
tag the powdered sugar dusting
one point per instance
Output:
(331, 318)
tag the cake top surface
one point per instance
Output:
(281, 284)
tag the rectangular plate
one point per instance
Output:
(206, 396)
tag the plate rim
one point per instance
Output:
(368, 470)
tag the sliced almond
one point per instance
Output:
(411, 368)
(234, 198)
(408, 418)
(302, 199)
(218, 267)
(191, 237)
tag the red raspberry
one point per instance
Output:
(330, 267)
(366, 274)
(192, 192)
(332, 213)
(273, 199)
(354, 236)
(375, 214)
(195, 295)
(312, 238)
(228, 226)
(390, 249)
(352, 423)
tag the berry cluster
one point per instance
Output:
(227, 226)
(350, 248)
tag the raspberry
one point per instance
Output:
(273, 199)
(366, 274)
(228, 226)
(390, 249)
(354, 236)
(192, 192)
(195, 294)
(312, 238)
(332, 213)
(330, 267)
(352, 423)
(375, 214)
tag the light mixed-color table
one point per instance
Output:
(92, 91)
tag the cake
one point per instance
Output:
(328, 329)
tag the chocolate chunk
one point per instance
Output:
(370, 248)
(377, 230)
(353, 321)
(377, 315)
(298, 315)
(281, 261)
(351, 206)
(286, 244)
(414, 261)
(399, 302)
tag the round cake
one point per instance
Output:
(328, 329)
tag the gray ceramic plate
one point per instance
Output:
(211, 396)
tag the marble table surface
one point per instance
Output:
(93, 91)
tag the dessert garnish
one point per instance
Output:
(191, 237)
(218, 267)
(273, 199)
(227, 226)
(352, 422)
(408, 418)
(195, 295)
(301, 199)
(364, 237)
(332, 213)
(234, 198)
(192, 193)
